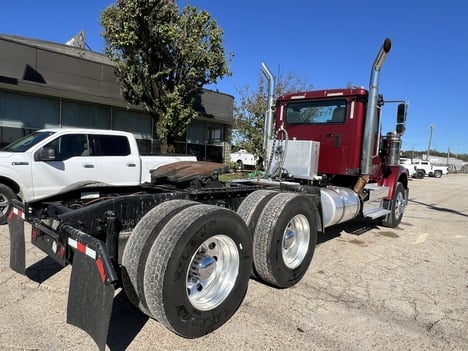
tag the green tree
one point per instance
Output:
(250, 112)
(164, 57)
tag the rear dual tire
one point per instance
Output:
(196, 273)
(284, 230)
(139, 244)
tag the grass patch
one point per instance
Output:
(227, 177)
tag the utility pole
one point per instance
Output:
(430, 140)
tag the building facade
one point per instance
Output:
(45, 84)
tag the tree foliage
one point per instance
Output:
(251, 110)
(164, 56)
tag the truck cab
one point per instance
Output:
(335, 118)
(336, 134)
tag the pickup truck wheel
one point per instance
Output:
(284, 239)
(240, 165)
(6, 194)
(197, 271)
(420, 174)
(399, 202)
(437, 174)
(139, 244)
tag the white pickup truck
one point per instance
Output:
(410, 167)
(243, 158)
(426, 168)
(46, 161)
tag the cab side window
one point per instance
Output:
(110, 145)
(68, 146)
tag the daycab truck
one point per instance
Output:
(184, 245)
(47, 161)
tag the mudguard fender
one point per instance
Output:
(17, 244)
(91, 292)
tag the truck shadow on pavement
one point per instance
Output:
(126, 320)
(43, 270)
(441, 209)
(354, 227)
(125, 324)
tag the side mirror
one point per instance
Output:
(401, 118)
(401, 112)
(45, 154)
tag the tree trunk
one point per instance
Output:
(164, 146)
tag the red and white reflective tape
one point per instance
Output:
(18, 212)
(82, 248)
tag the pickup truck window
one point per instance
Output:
(110, 145)
(69, 145)
(26, 142)
(316, 112)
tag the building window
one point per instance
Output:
(75, 114)
(215, 134)
(134, 122)
(196, 133)
(29, 112)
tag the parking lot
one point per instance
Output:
(368, 288)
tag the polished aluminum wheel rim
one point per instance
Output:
(212, 272)
(296, 238)
(400, 204)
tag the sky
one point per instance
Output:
(327, 43)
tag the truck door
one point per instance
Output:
(116, 163)
(71, 163)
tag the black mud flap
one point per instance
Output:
(17, 244)
(91, 293)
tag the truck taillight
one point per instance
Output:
(61, 250)
(58, 249)
(34, 234)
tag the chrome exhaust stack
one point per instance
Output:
(268, 127)
(371, 125)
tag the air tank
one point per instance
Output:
(338, 205)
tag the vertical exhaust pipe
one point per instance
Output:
(371, 123)
(268, 127)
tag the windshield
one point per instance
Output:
(316, 112)
(26, 142)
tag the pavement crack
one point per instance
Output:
(431, 325)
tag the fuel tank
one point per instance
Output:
(338, 205)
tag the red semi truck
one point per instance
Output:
(184, 245)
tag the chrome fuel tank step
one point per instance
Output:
(373, 207)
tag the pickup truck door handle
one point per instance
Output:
(88, 165)
(131, 164)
